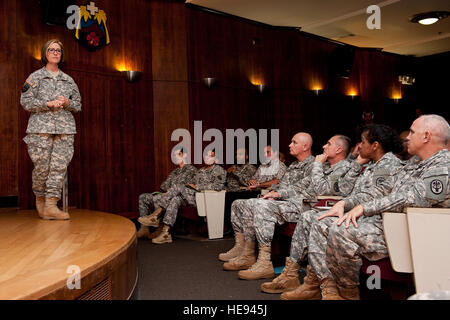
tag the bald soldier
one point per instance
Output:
(424, 183)
(242, 255)
(378, 144)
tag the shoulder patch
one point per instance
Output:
(29, 83)
(436, 183)
(380, 175)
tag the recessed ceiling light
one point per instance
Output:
(428, 18)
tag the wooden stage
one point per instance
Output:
(36, 256)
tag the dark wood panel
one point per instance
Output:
(8, 101)
(170, 88)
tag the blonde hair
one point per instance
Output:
(45, 49)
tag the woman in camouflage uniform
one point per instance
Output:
(50, 96)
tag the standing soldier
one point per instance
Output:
(51, 96)
(150, 202)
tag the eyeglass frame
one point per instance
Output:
(53, 50)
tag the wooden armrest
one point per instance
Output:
(329, 197)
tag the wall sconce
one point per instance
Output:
(407, 80)
(131, 75)
(396, 98)
(209, 82)
(353, 93)
(260, 87)
(317, 90)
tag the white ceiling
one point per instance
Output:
(345, 21)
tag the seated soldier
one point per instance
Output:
(210, 177)
(148, 202)
(241, 173)
(378, 144)
(404, 155)
(269, 172)
(269, 212)
(242, 255)
(422, 183)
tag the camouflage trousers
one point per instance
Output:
(50, 154)
(172, 200)
(256, 218)
(148, 202)
(346, 246)
(299, 242)
(317, 245)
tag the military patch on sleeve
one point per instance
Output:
(336, 186)
(436, 184)
(380, 176)
(29, 83)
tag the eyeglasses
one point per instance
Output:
(56, 51)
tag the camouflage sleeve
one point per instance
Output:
(319, 182)
(343, 179)
(380, 185)
(29, 98)
(283, 178)
(220, 178)
(257, 175)
(166, 184)
(303, 188)
(432, 190)
(74, 98)
(281, 171)
(246, 174)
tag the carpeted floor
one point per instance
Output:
(189, 270)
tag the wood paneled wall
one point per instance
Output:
(123, 142)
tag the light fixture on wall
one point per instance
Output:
(132, 75)
(317, 90)
(428, 18)
(353, 93)
(407, 80)
(209, 82)
(261, 87)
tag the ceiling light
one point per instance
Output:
(428, 18)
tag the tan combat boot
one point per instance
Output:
(40, 204)
(152, 220)
(262, 269)
(244, 260)
(349, 293)
(286, 281)
(143, 232)
(163, 237)
(329, 290)
(236, 250)
(52, 212)
(309, 290)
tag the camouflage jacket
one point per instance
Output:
(240, 176)
(337, 179)
(296, 183)
(212, 178)
(275, 169)
(41, 87)
(377, 180)
(179, 176)
(419, 184)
